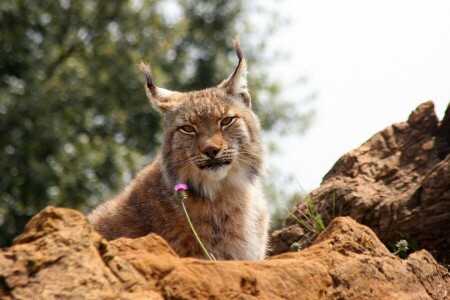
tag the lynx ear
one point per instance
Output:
(236, 84)
(160, 98)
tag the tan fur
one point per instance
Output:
(225, 201)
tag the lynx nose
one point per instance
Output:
(211, 152)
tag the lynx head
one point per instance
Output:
(211, 137)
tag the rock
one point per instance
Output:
(60, 256)
(396, 182)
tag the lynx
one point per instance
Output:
(212, 142)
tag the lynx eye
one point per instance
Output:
(187, 129)
(227, 121)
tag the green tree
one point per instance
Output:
(74, 120)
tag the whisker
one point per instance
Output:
(249, 153)
(245, 161)
(180, 162)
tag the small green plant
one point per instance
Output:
(402, 246)
(314, 215)
(313, 220)
(307, 224)
(180, 192)
(411, 241)
(295, 247)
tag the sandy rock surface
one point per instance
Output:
(60, 256)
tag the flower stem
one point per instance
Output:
(208, 255)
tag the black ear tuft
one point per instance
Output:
(160, 98)
(236, 84)
(237, 47)
(145, 68)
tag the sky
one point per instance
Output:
(370, 62)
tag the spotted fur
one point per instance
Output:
(212, 142)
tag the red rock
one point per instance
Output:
(60, 256)
(397, 181)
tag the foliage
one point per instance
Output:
(399, 249)
(295, 247)
(312, 218)
(74, 121)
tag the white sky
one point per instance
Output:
(371, 63)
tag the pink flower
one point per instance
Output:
(180, 191)
(181, 187)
